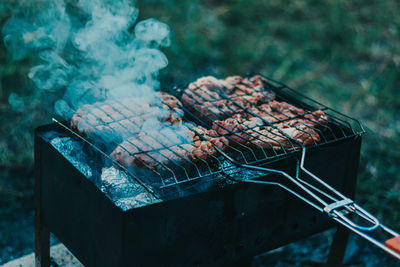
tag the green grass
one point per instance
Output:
(343, 53)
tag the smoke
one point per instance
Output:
(89, 50)
(16, 102)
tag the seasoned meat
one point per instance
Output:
(149, 149)
(168, 100)
(210, 136)
(213, 110)
(281, 111)
(248, 101)
(318, 119)
(265, 130)
(283, 136)
(233, 128)
(202, 98)
(276, 111)
(157, 150)
(241, 112)
(208, 82)
(236, 128)
(255, 87)
(216, 99)
(200, 92)
(125, 117)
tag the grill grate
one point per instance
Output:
(124, 124)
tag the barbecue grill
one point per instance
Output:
(208, 212)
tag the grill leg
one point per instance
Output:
(42, 245)
(338, 247)
(42, 234)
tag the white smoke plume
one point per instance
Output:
(90, 50)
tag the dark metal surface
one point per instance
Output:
(218, 227)
(42, 235)
(338, 247)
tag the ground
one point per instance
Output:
(345, 54)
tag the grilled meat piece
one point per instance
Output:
(277, 111)
(151, 149)
(207, 140)
(213, 110)
(283, 136)
(202, 98)
(249, 101)
(246, 128)
(238, 85)
(204, 89)
(208, 82)
(211, 98)
(236, 127)
(160, 151)
(317, 119)
(125, 117)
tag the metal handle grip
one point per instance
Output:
(393, 243)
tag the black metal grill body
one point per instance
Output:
(222, 226)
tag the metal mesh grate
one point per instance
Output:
(269, 141)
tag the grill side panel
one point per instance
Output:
(235, 223)
(75, 211)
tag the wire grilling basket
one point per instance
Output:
(270, 140)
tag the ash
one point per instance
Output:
(123, 191)
(71, 151)
(115, 184)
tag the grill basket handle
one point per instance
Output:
(339, 207)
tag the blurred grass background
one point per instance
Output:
(345, 54)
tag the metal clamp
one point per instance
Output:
(338, 204)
